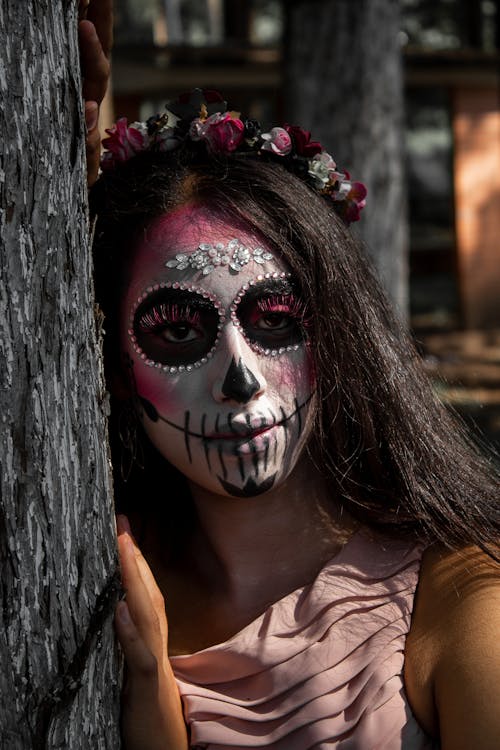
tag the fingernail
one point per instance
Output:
(91, 115)
(123, 613)
(122, 524)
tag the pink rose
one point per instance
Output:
(122, 143)
(222, 132)
(278, 141)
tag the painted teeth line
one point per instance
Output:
(183, 287)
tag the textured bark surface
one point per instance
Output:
(344, 82)
(58, 569)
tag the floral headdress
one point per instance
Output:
(202, 117)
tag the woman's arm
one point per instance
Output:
(95, 31)
(467, 671)
(453, 651)
(152, 716)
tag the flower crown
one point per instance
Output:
(201, 116)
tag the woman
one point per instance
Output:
(290, 474)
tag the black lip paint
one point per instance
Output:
(250, 489)
(154, 415)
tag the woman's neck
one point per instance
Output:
(278, 540)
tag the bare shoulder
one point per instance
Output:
(452, 669)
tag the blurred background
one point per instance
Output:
(409, 93)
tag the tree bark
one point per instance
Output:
(343, 81)
(59, 685)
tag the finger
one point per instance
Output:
(157, 599)
(143, 613)
(101, 15)
(93, 153)
(152, 713)
(123, 524)
(123, 527)
(140, 661)
(82, 9)
(147, 576)
(94, 63)
(91, 115)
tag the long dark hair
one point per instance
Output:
(395, 457)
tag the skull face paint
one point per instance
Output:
(219, 360)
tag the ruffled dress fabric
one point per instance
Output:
(321, 668)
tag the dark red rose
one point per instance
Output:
(302, 141)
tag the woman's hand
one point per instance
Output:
(95, 31)
(151, 709)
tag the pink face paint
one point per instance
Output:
(219, 362)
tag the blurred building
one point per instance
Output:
(452, 75)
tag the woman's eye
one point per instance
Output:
(271, 328)
(179, 332)
(176, 327)
(274, 321)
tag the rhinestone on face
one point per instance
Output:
(207, 257)
(233, 310)
(172, 370)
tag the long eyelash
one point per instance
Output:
(167, 314)
(282, 303)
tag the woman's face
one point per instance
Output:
(213, 335)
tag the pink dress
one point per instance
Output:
(321, 668)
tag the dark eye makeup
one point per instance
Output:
(175, 327)
(272, 314)
(179, 328)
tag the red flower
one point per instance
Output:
(223, 133)
(355, 201)
(302, 139)
(123, 142)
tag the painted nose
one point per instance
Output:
(240, 384)
(239, 378)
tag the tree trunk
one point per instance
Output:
(58, 576)
(343, 81)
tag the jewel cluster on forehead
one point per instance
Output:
(207, 257)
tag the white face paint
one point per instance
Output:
(217, 353)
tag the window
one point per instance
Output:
(198, 22)
(450, 24)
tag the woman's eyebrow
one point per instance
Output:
(269, 286)
(177, 296)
